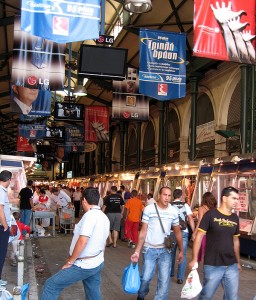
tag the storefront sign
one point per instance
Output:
(89, 147)
(243, 202)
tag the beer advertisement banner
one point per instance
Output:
(74, 136)
(225, 30)
(128, 103)
(162, 64)
(23, 144)
(37, 63)
(96, 124)
(61, 21)
(30, 102)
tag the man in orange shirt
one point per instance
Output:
(134, 208)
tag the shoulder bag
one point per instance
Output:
(169, 241)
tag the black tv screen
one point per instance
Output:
(69, 111)
(97, 61)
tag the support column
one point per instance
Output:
(138, 153)
(110, 150)
(166, 131)
(121, 146)
(244, 105)
(252, 99)
(160, 138)
(194, 92)
(126, 144)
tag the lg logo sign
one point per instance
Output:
(105, 39)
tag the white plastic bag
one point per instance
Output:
(4, 294)
(192, 286)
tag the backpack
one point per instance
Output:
(180, 206)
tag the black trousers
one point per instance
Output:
(4, 237)
(77, 205)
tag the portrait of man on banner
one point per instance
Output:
(30, 101)
(225, 30)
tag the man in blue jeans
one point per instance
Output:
(151, 239)
(5, 219)
(222, 253)
(185, 217)
(86, 254)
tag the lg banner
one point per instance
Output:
(127, 103)
(162, 64)
(96, 124)
(61, 21)
(37, 63)
(225, 30)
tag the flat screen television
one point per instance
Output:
(69, 111)
(98, 61)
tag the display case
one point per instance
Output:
(16, 165)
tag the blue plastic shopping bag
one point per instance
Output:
(131, 279)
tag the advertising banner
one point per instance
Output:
(225, 30)
(23, 144)
(61, 21)
(30, 102)
(127, 103)
(74, 136)
(96, 124)
(162, 64)
(32, 132)
(37, 63)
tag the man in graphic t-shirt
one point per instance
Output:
(222, 254)
(114, 207)
(26, 203)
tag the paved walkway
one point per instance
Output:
(49, 254)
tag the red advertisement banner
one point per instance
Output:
(225, 30)
(96, 124)
(23, 144)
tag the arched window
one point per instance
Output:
(132, 150)
(205, 127)
(173, 137)
(148, 153)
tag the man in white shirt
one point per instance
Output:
(23, 99)
(5, 219)
(63, 198)
(151, 239)
(86, 255)
(185, 216)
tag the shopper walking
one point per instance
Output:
(26, 204)
(151, 239)
(185, 217)
(134, 208)
(5, 219)
(222, 254)
(208, 202)
(114, 208)
(77, 196)
(86, 254)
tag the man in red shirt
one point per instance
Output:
(134, 208)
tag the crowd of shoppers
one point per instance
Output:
(142, 229)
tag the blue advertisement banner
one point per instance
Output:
(74, 138)
(32, 132)
(61, 21)
(162, 64)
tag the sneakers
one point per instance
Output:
(3, 282)
(131, 244)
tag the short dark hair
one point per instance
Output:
(42, 191)
(150, 195)
(122, 187)
(16, 215)
(55, 190)
(5, 175)
(91, 195)
(227, 190)
(134, 193)
(164, 187)
(113, 188)
(30, 182)
(177, 193)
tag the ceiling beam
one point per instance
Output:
(7, 21)
(102, 101)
